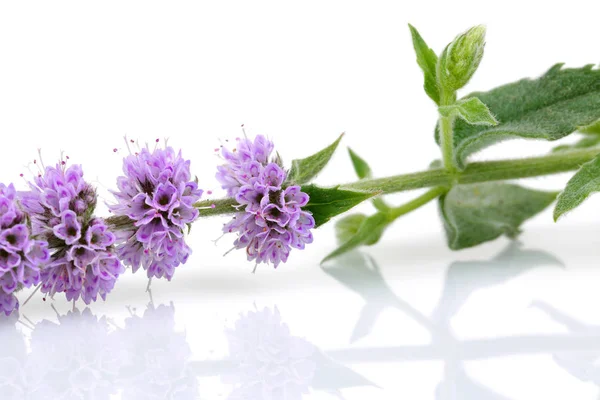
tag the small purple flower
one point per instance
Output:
(273, 221)
(8, 303)
(83, 263)
(244, 163)
(69, 229)
(156, 197)
(21, 257)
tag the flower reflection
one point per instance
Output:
(74, 358)
(81, 356)
(156, 364)
(271, 363)
(12, 359)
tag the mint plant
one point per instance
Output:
(51, 237)
(475, 204)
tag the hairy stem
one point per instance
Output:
(446, 133)
(447, 143)
(209, 208)
(553, 163)
(480, 172)
(420, 201)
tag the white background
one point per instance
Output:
(78, 76)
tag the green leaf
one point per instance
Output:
(361, 167)
(368, 233)
(348, 226)
(583, 143)
(460, 59)
(307, 168)
(591, 129)
(471, 110)
(474, 214)
(550, 108)
(326, 203)
(585, 182)
(363, 171)
(427, 60)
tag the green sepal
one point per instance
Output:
(305, 169)
(326, 203)
(474, 214)
(427, 60)
(550, 108)
(470, 110)
(585, 182)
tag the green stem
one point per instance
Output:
(209, 208)
(478, 172)
(447, 143)
(446, 132)
(425, 198)
(553, 163)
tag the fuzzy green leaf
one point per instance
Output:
(326, 203)
(585, 182)
(348, 226)
(550, 107)
(363, 171)
(474, 214)
(471, 110)
(367, 233)
(307, 168)
(361, 167)
(427, 60)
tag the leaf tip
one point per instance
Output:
(555, 68)
(328, 257)
(335, 144)
(352, 154)
(557, 214)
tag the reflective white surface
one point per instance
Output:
(405, 319)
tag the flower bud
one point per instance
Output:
(461, 58)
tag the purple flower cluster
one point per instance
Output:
(273, 221)
(157, 195)
(21, 258)
(60, 205)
